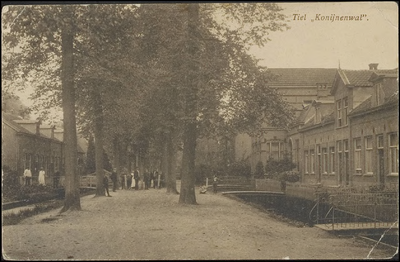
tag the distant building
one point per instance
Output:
(299, 87)
(28, 144)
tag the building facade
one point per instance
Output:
(346, 137)
(299, 87)
(28, 144)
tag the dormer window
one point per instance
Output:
(339, 112)
(341, 115)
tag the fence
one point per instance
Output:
(359, 210)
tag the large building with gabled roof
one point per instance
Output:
(353, 139)
(299, 87)
(346, 131)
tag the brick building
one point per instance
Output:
(29, 144)
(351, 138)
(346, 131)
(299, 87)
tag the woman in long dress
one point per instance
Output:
(41, 176)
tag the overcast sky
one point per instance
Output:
(310, 43)
(321, 44)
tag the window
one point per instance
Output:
(332, 160)
(380, 141)
(345, 105)
(339, 146)
(312, 162)
(268, 150)
(275, 150)
(342, 107)
(306, 161)
(339, 113)
(324, 160)
(357, 155)
(346, 145)
(27, 161)
(394, 153)
(368, 155)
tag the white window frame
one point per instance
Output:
(339, 112)
(393, 154)
(312, 161)
(332, 160)
(357, 155)
(325, 160)
(306, 162)
(368, 155)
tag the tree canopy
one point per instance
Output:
(145, 73)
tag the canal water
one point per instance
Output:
(307, 212)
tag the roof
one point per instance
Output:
(303, 114)
(361, 77)
(366, 104)
(24, 121)
(328, 118)
(9, 119)
(301, 76)
(384, 73)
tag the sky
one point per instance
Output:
(313, 43)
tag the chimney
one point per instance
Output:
(373, 66)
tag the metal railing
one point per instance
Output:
(347, 210)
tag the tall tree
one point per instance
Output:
(187, 194)
(72, 192)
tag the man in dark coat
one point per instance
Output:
(146, 179)
(136, 177)
(105, 183)
(114, 178)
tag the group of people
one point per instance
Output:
(28, 177)
(132, 180)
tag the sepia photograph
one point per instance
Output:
(146, 130)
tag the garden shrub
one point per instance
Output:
(240, 168)
(259, 172)
(10, 183)
(274, 168)
(289, 176)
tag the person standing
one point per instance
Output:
(105, 183)
(28, 177)
(123, 181)
(136, 177)
(56, 179)
(155, 178)
(146, 179)
(215, 183)
(42, 177)
(114, 178)
(128, 181)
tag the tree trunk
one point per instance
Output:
(187, 193)
(169, 157)
(117, 160)
(72, 196)
(98, 134)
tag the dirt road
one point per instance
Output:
(151, 225)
